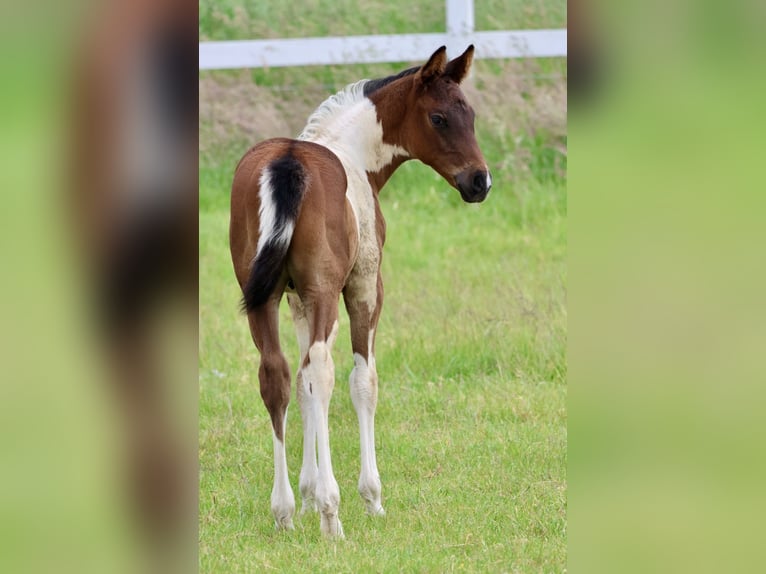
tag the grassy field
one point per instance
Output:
(471, 423)
(247, 19)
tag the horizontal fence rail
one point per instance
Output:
(385, 48)
(377, 49)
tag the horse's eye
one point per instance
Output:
(438, 121)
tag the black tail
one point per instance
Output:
(287, 182)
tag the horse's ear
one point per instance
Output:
(435, 65)
(458, 68)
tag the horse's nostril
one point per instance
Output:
(479, 181)
(473, 185)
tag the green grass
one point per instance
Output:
(471, 422)
(250, 19)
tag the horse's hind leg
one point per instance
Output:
(318, 379)
(309, 469)
(274, 377)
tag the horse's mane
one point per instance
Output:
(345, 98)
(336, 103)
(374, 85)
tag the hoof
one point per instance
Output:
(375, 510)
(331, 527)
(284, 524)
(283, 517)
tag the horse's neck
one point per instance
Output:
(379, 178)
(356, 137)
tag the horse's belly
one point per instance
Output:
(359, 195)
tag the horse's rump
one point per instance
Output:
(274, 183)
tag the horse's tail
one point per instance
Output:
(282, 187)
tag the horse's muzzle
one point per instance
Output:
(473, 185)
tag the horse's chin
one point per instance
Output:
(469, 196)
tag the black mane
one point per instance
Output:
(374, 85)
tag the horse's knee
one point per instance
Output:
(319, 372)
(363, 384)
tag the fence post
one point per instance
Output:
(460, 25)
(460, 17)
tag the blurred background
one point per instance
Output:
(99, 330)
(666, 324)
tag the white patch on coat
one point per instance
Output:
(267, 215)
(347, 124)
(370, 341)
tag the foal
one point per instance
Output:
(305, 219)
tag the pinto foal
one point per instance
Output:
(305, 219)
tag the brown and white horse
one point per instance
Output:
(306, 220)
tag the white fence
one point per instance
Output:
(385, 48)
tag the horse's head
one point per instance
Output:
(439, 125)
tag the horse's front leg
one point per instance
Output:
(364, 298)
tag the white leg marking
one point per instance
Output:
(318, 383)
(309, 470)
(364, 394)
(282, 498)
